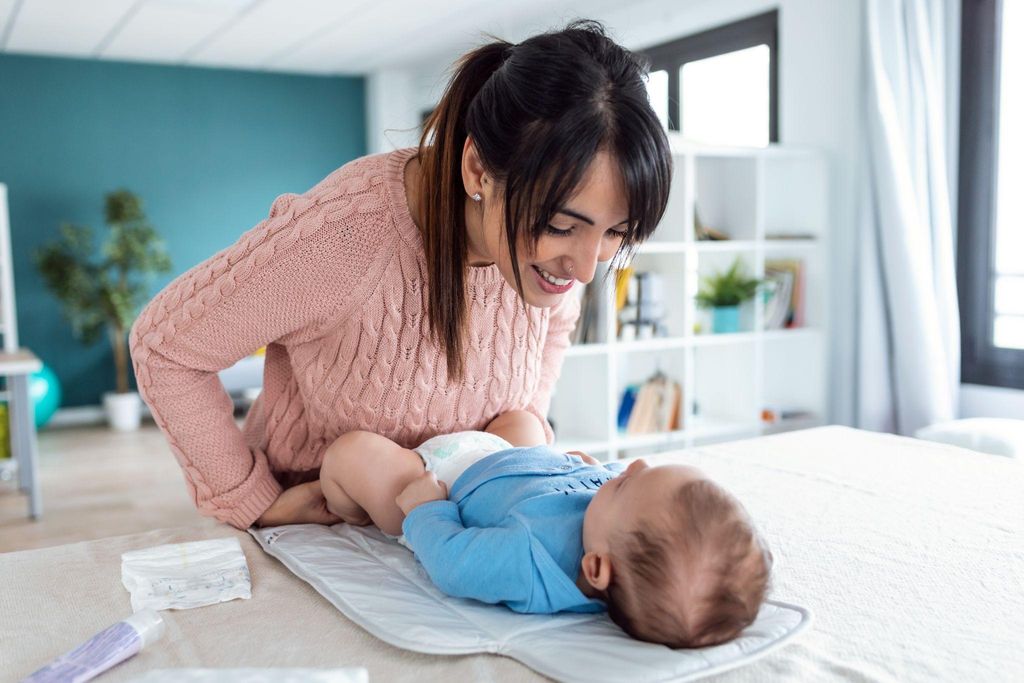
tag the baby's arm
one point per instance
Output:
(493, 564)
(361, 475)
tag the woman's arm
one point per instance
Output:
(275, 283)
(519, 428)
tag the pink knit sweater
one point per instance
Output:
(333, 284)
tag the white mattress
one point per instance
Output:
(910, 554)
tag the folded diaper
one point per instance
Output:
(380, 585)
(186, 575)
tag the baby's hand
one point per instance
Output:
(423, 489)
(589, 459)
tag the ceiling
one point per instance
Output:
(303, 36)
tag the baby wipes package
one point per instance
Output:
(186, 575)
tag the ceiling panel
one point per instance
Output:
(168, 29)
(6, 17)
(273, 27)
(60, 27)
(461, 31)
(381, 31)
(305, 36)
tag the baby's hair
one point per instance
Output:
(694, 577)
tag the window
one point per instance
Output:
(720, 86)
(990, 253)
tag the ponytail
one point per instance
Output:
(442, 198)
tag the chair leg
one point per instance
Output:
(16, 427)
(23, 442)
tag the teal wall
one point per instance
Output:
(208, 150)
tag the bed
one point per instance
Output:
(909, 553)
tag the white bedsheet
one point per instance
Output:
(910, 554)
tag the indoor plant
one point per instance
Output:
(723, 293)
(107, 293)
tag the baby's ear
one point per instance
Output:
(597, 570)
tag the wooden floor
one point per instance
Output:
(98, 483)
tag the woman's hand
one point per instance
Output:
(302, 504)
(423, 489)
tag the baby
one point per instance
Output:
(671, 555)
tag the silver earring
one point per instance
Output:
(476, 197)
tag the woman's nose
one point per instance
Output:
(583, 263)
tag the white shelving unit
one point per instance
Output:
(772, 203)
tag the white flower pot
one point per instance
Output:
(124, 411)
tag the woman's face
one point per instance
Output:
(589, 228)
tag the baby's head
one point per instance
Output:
(674, 556)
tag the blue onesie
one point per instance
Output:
(511, 530)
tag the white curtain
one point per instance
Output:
(909, 347)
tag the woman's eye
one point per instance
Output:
(617, 234)
(557, 231)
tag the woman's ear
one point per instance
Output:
(473, 172)
(597, 570)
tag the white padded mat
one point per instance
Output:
(379, 585)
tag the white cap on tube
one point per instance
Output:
(149, 625)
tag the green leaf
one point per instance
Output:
(104, 293)
(730, 288)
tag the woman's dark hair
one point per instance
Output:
(538, 112)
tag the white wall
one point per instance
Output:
(819, 88)
(392, 110)
(981, 401)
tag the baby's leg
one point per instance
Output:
(361, 475)
(519, 428)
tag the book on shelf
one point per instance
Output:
(802, 236)
(654, 407)
(626, 406)
(786, 282)
(703, 232)
(640, 307)
(592, 314)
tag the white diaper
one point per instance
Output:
(449, 455)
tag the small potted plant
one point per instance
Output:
(723, 293)
(107, 293)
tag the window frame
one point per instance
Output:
(761, 29)
(981, 362)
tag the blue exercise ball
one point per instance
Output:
(44, 389)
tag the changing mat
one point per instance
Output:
(380, 585)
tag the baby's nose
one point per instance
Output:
(638, 465)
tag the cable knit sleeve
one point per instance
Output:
(281, 281)
(561, 323)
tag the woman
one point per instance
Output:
(411, 293)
